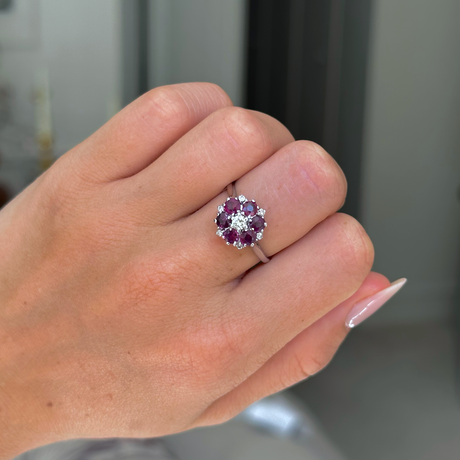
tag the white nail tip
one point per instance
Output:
(366, 307)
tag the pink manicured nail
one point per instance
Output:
(366, 307)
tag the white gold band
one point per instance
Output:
(258, 251)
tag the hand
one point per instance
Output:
(123, 314)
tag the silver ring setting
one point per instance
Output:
(241, 222)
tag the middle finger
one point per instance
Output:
(223, 147)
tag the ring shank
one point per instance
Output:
(258, 251)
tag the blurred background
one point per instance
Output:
(377, 83)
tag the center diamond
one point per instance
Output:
(239, 222)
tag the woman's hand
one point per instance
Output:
(123, 314)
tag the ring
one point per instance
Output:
(241, 222)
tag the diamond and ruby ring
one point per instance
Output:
(241, 222)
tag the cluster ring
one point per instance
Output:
(241, 222)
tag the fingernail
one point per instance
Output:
(366, 307)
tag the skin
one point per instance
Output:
(123, 314)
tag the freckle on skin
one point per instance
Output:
(50, 404)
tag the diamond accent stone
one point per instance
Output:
(242, 198)
(220, 232)
(220, 209)
(239, 222)
(261, 212)
(260, 236)
(239, 245)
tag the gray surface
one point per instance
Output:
(79, 43)
(277, 427)
(390, 395)
(411, 164)
(109, 449)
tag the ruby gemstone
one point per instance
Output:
(232, 205)
(258, 223)
(222, 220)
(248, 237)
(231, 236)
(250, 208)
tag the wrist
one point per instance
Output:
(16, 426)
(25, 415)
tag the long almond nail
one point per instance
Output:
(366, 307)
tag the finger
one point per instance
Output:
(143, 130)
(222, 148)
(310, 277)
(276, 301)
(299, 186)
(305, 355)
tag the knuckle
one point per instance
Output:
(172, 105)
(61, 195)
(306, 365)
(245, 130)
(303, 368)
(354, 245)
(314, 168)
(165, 105)
(214, 91)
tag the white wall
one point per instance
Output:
(79, 43)
(412, 153)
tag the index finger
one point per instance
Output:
(137, 135)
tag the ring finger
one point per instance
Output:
(299, 186)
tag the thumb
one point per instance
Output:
(306, 354)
